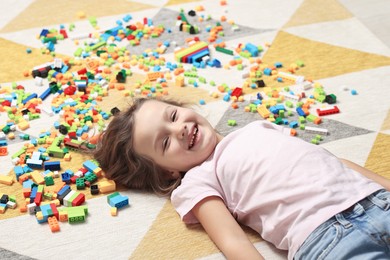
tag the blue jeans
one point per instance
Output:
(360, 232)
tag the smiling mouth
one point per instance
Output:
(193, 137)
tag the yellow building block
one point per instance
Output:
(11, 136)
(263, 111)
(106, 186)
(98, 171)
(7, 180)
(67, 157)
(179, 81)
(23, 125)
(114, 211)
(37, 177)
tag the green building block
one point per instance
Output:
(289, 104)
(6, 129)
(80, 183)
(223, 50)
(75, 214)
(300, 63)
(49, 181)
(311, 118)
(232, 122)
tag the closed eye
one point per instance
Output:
(174, 116)
(165, 143)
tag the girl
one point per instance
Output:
(297, 195)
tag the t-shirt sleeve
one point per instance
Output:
(194, 188)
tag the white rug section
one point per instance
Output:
(373, 14)
(127, 230)
(372, 87)
(364, 8)
(268, 251)
(361, 147)
(10, 9)
(266, 14)
(350, 33)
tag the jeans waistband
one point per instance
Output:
(371, 200)
(357, 209)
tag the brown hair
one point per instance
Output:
(119, 161)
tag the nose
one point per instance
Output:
(180, 131)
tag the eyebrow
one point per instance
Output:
(165, 116)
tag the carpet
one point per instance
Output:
(341, 48)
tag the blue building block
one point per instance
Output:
(89, 165)
(33, 193)
(53, 166)
(294, 124)
(45, 94)
(31, 96)
(117, 200)
(65, 177)
(33, 163)
(267, 71)
(28, 184)
(252, 49)
(300, 111)
(18, 170)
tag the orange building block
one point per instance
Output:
(53, 224)
(3, 150)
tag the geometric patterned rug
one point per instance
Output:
(343, 44)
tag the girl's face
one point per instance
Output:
(175, 138)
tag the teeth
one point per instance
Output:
(193, 137)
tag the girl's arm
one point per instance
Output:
(367, 173)
(224, 230)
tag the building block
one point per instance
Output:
(7, 180)
(263, 111)
(75, 214)
(49, 180)
(53, 165)
(114, 211)
(106, 186)
(37, 177)
(117, 200)
(316, 130)
(3, 207)
(53, 224)
(3, 150)
(78, 200)
(90, 165)
(94, 189)
(328, 110)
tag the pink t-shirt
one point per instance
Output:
(280, 186)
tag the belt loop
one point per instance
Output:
(345, 223)
(381, 203)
